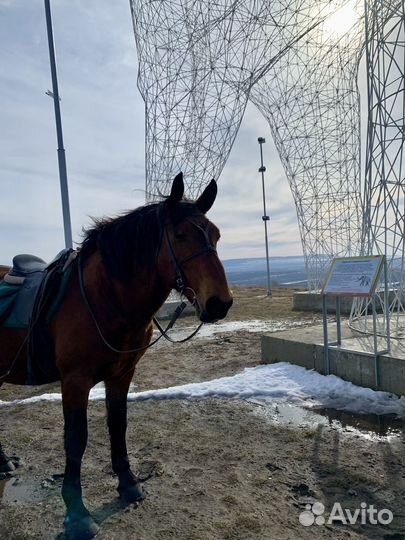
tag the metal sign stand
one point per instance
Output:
(337, 344)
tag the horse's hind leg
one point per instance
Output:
(6, 464)
(79, 525)
(116, 401)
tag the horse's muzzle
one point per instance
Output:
(215, 309)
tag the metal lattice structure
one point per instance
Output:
(200, 63)
(311, 101)
(384, 195)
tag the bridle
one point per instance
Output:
(180, 285)
(180, 280)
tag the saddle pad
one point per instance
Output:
(17, 303)
(8, 295)
(17, 300)
(32, 304)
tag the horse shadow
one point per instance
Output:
(350, 487)
(105, 512)
(109, 509)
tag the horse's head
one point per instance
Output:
(188, 253)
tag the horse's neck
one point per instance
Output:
(136, 302)
(143, 297)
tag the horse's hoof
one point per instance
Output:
(16, 461)
(131, 494)
(7, 467)
(80, 528)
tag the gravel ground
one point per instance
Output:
(212, 470)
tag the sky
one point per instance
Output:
(103, 125)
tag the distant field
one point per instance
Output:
(284, 271)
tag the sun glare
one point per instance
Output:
(340, 22)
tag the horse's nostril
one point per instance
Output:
(216, 308)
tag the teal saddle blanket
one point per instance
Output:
(8, 296)
(30, 294)
(20, 288)
(17, 300)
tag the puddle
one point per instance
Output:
(14, 491)
(367, 425)
(380, 425)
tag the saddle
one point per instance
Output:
(23, 265)
(30, 294)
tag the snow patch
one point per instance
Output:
(281, 382)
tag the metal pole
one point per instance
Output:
(325, 335)
(265, 217)
(375, 343)
(338, 322)
(61, 151)
(387, 305)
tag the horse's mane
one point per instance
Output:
(131, 241)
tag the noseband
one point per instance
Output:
(209, 247)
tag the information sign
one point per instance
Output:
(353, 276)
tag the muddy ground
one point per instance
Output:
(212, 470)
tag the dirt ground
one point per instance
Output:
(213, 469)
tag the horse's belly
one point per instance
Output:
(13, 355)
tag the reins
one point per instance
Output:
(163, 331)
(181, 287)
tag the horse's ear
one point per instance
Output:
(207, 197)
(177, 191)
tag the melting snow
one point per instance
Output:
(281, 382)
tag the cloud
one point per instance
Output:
(103, 123)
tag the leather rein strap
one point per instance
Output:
(181, 287)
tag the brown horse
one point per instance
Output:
(125, 270)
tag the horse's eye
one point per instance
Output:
(179, 236)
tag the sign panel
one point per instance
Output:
(353, 276)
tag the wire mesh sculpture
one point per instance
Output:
(200, 63)
(384, 194)
(311, 101)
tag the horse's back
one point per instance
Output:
(3, 271)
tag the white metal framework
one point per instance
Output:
(297, 60)
(198, 62)
(311, 101)
(384, 194)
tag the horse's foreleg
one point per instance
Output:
(79, 525)
(116, 401)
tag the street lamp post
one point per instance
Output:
(61, 150)
(265, 217)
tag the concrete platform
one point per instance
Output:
(312, 301)
(304, 347)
